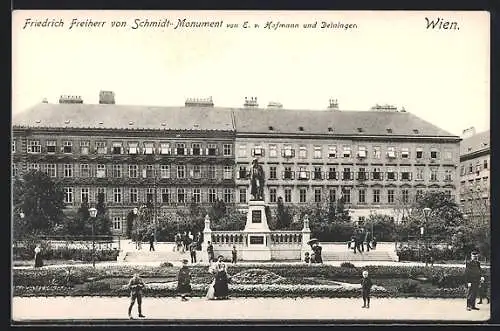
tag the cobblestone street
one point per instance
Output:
(106, 308)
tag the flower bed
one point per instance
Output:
(63, 253)
(256, 280)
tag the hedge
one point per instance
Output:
(63, 253)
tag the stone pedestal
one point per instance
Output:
(306, 236)
(257, 233)
(207, 235)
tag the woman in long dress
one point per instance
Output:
(38, 256)
(211, 287)
(221, 280)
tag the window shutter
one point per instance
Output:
(395, 176)
(191, 151)
(185, 151)
(217, 151)
(201, 151)
(144, 174)
(237, 175)
(293, 175)
(175, 151)
(206, 151)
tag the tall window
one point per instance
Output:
(68, 195)
(84, 170)
(165, 171)
(51, 146)
(14, 170)
(101, 171)
(150, 194)
(318, 174)
(148, 171)
(391, 152)
(196, 171)
(68, 170)
(376, 195)
(13, 150)
(227, 149)
(303, 173)
(405, 174)
(84, 194)
(165, 195)
(390, 196)
(133, 148)
(228, 172)
(181, 171)
(362, 152)
(447, 175)
(117, 195)
(117, 170)
(317, 194)
(332, 195)
(433, 174)
(211, 172)
(288, 151)
(332, 174)
(302, 195)
(196, 149)
(84, 147)
(317, 152)
(180, 149)
(134, 195)
(165, 148)
(485, 164)
(212, 195)
(419, 153)
(133, 170)
(34, 146)
(149, 148)
(420, 174)
(212, 149)
(405, 153)
(346, 194)
(181, 195)
(51, 170)
(302, 152)
(196, 195)
(391, 174)
(101, 191)
(117, 148)
(405, 196)
(228, 195)
(332, 152)
(272, 172)
(434, 153)
(272, 195)
(376, 152)
(347, 151)
(273, 151)
(376, 174)
(288, 174)
(243, 195)
(288, 194)
(117, 223)
(361, 174)
(362, 196)
(346, 174)
(101, 147)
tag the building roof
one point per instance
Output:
(334, 122)
(478, 142)
(241, 120)
(112, 116)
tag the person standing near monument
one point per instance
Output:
(210, 251)
(257, 181)
(472, 278)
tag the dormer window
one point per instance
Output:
(330, 129)
(389, 130)
(360, 129)
(271, 128)
(301, 128)
(415, 131)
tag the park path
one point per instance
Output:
(170, 310)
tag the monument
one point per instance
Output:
(256, 226)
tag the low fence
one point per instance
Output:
(99, 242)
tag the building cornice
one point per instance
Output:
(475, 154)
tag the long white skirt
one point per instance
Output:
(211, 291)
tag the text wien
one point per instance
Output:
(441, 24)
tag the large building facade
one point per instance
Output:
(475, 174)
(377, 160)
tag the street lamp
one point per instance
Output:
(93, 214)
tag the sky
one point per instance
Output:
(441, 76)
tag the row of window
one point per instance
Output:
(86, 170)
(135, 195)
(473, 168)
(132, 148)
(345, 152)
(391, 196)
(348, 174)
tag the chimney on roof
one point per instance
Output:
(70, 99)
(469, 132)
(274, 104)
(199, 102)
(333, 104)
(251, 102)
(107, 97)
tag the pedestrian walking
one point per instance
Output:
(38, 256)
(357, 244)
(152, 242)
(367, 240)
(472, 278)
(483, 291)
(192, 251)
(210, 251)
(184, 281)
(361, 239)
(234, 254)
(135, 285)
(366, 285)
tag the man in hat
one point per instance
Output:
(472, 278)
(257, 181)
(135, 285)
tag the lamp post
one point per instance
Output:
(93, 214)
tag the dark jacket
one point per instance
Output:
(210, 249)
(136, 285)
(472, 271)
(366, 284)
(184, 280)
(483, 288)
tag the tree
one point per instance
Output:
(79, 223)
(384, 227)
(41, 201)
(218, 210)
(102, 221)
(283, 217)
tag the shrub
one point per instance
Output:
(347, 265)
(98, 286)
(166, 265)
(409, 286)
(63, 253)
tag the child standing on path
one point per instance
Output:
(184, 281)
(366, 285)
(136, 285)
